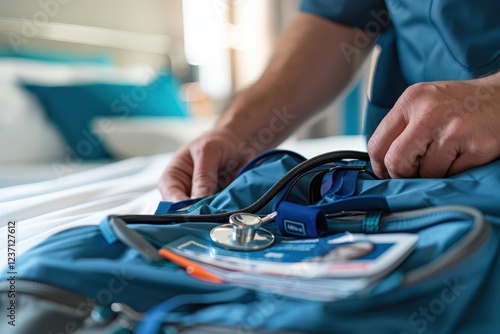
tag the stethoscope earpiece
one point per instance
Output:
(244, 232)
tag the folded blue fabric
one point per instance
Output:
(72, 108)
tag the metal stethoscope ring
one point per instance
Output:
(244, 232)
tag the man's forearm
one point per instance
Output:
(307, 71)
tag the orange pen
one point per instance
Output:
(192, 268)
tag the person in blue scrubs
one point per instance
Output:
(433, 107)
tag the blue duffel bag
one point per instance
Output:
(94, 279)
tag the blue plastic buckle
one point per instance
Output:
(301, 221)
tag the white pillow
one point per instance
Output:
(26, 135)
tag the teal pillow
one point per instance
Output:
(72, 108)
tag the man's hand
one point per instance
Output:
(202, 167)
(439, 129)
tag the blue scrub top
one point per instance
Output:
(425, 40)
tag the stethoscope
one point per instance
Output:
(244, 232)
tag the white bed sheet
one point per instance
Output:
(45, 208)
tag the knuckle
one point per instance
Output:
(453, 129)
(202, 146)
(419, 101)
(413, 92)
(397, 165)
(481, 151)
(391, 163)
(376, 158)
(423, 92)
(423, 89)
(416, 88)
(373, 147)
(453, 133)
(205, 180)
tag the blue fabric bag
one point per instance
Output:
(447, 285)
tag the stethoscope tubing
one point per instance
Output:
(258, 204)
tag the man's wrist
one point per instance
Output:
(249, 113)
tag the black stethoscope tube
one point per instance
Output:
(257, 205)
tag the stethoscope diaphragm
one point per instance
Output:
(244, 233)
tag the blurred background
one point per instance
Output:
(92, 80)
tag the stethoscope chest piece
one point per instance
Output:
(242, 233)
